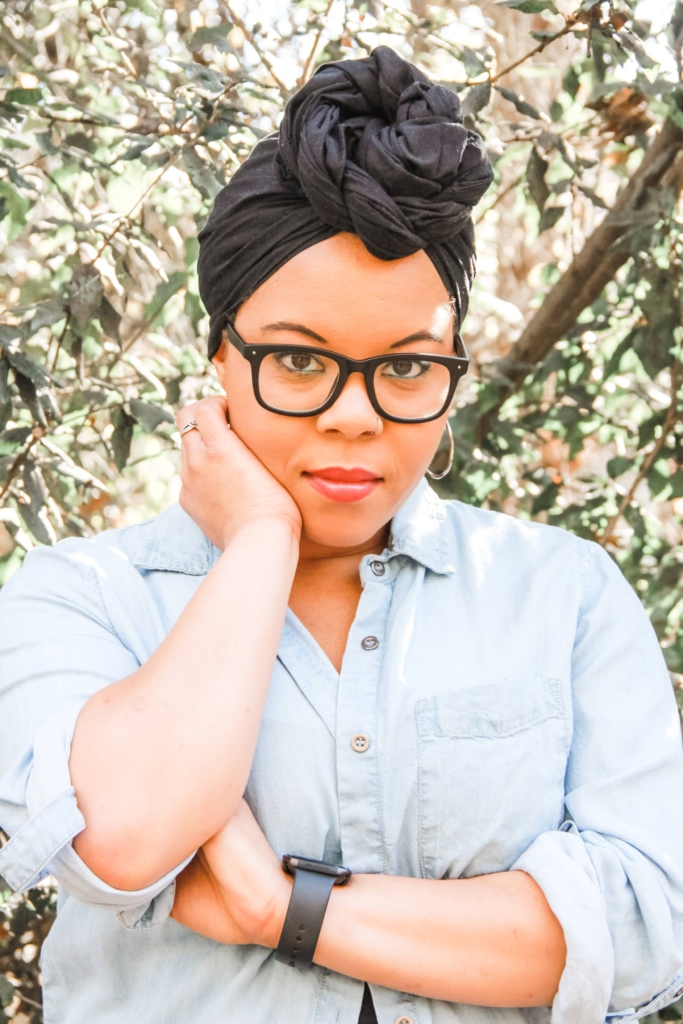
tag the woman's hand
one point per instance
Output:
(224, 485)
(234, 891)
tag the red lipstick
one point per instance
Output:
(341, 484)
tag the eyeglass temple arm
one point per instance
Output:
(234, 338)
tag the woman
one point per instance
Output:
(463, 718)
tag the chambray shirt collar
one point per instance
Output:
(173, 542)
(420, 530)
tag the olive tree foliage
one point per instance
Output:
(120, 120)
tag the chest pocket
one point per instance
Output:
(491, 770)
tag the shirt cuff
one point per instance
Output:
(27, 856)
(559, 863)
(43, 844)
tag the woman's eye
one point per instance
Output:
(304, 363)
(406, 369)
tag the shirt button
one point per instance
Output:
(360, 742)
(377, 568)
(369, 643)
(404, 1020)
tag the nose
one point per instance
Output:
(352, 414)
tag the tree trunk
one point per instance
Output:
(599, 260)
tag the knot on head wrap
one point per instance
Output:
(380, 151)
(367, 146)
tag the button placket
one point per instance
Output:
(356, 732)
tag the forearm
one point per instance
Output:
(160, 759)
(489, 941)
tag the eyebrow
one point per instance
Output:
(284, 325)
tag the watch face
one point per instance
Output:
(290, 863)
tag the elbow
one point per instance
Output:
(121, 862)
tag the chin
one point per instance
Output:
(342, 526)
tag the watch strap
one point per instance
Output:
(304, 918)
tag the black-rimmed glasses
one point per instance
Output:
(408, 387)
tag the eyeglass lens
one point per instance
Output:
(406, 387)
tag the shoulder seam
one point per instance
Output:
(91, 579)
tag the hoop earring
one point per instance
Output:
(435, 475)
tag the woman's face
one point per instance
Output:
(361, 306)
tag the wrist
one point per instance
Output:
(268, 527)
(271, 925)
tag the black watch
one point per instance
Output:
(313, 882)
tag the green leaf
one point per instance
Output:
(46, 314)
(593, 196)
(8, 112)
(110, 319)
(543, 36)
(25, 97)
(519, 102)
(546, 499)
(148, 415)
(619, 465)
(17, 205)
(535, 176)
(201, 175)
(122, 437)
(23, 364)
(5, 396)
(473, 61)
(478, 97)
(85, 291)
(136, 150)
(207, 36)
(163, 293)
(44, 140)
(215, 131)
(29, 396)
(530, 6)
(7, 991)
(549, 218)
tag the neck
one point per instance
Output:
(326, 591)
(322, 560)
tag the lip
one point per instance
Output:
(344, 485)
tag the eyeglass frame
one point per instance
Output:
(255, 354)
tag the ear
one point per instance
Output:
(219, 361)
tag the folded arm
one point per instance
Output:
(491, 940)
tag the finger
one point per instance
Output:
(202, 425)
(186, 414)
(211, 415)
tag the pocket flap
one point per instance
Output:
(493, 710)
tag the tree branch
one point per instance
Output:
(672, 417)
(264, 57)
(572, 25)
(316, 40)
(596, 264)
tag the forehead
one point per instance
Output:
(337, 288)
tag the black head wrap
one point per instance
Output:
(368, 146)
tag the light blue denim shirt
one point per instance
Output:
(519, 716)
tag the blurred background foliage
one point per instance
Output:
(120, 120)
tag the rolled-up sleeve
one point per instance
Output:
(57, 648)
(613, 874)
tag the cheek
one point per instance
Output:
(412, 447)
(270, 437)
